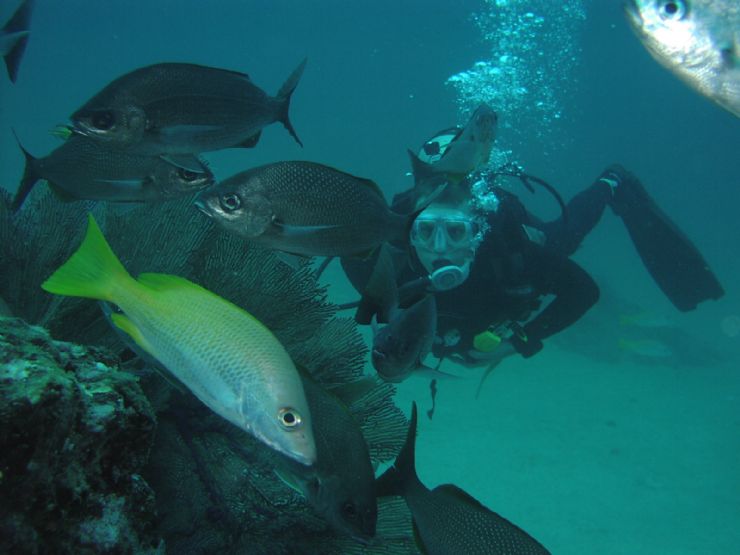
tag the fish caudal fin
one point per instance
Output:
(30, 178)
(396, 480)
(93, 271)
(284, 95)
(17, 28)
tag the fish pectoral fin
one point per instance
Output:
(188, 162)
(435, 373)
(122, 183)
(62, 194)
(124, 323)
(290, 480)
(176, 133)
(251, 142)
(290, 259)
(301, 230)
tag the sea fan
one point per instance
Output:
(215, 490)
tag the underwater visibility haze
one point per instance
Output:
(313, 199)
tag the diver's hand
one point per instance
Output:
(504, 350)
(474, 358)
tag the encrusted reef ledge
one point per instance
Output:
(75, 433)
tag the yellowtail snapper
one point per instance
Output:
(227, 358)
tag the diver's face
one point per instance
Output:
(444, 236)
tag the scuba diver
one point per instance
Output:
(489, 262)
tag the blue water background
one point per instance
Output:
(587, 455)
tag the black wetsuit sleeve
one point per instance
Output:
(575, 292)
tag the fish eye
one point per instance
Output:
(289, 418)
(102, 120)
(187, 175)
(672, 10)
(231, 202)
(349, 511)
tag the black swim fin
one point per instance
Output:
(672, 259)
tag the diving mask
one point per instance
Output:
(442, 232)
(445, 240)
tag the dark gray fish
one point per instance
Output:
(399, 348)
(341, 483)
(304, 208)
(14, 36)
(447, 520)
(82, 169)
(184, 108)
(379, 290)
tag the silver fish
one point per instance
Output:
(341, 483)
(184, 108)
(698, 40)
(304, 208)
(83, 169)
(14, 36)
(447, 520)
(468, 151)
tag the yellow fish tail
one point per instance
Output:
(93, 271)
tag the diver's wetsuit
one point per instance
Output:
(513, 269)
(511, 273)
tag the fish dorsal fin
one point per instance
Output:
(452, 490)
(166, 282)
(369, 183)
(365, 182)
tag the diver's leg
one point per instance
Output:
(673, 261)
(583, 212)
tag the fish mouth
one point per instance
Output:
(80, 129)
(303, 459)
(378, 354)
(364, 538)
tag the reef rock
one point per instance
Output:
(74, 434)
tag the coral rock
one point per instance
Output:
(74, 435)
